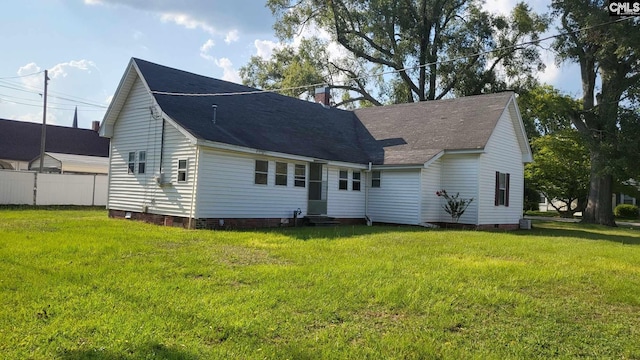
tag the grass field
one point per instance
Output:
(77, 285)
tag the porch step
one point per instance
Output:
(319, 220)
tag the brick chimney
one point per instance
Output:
(322, 96)
(95, 126)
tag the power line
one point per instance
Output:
(396, 71)
(40, 106)
(50, 102)
(15, 86)
(20, 76)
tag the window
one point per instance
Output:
(355, 182)
(142, 161)
(281, 173)
(300, 175)
(262, 169)
(344, 180)
(375, 179)
(502, 189)
(132, 163)
(182, 170)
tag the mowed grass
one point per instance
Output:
(77, 285)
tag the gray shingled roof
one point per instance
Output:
(266, 121)
(392, 135)
(414, 133)
(20, 140)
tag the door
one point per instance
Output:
(317, 189)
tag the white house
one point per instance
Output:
(199, 152)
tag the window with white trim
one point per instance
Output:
(343, 181)
(502, 189)
(261, 172)
(182, 170)
(281, 173)
(355, 181)
(375, 178)
(142, 162)
(131, 167)
(300, 176)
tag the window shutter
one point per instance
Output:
(506, 195)
(497, 190)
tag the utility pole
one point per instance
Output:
(43, 136)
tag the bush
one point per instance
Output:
(626, 211)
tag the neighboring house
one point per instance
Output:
(249, 160)
(20, 145)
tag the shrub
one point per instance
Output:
(626, 211)
(455, 206)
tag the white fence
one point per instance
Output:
(30, 188)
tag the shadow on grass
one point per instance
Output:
(149, 351)
(339, 232)
(581, 231)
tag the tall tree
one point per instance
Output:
(434, 48)
(610, 71)
(545, 110)
(560, 170)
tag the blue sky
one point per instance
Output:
(86, 45)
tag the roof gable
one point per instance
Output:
(416, 132)
(20, 140)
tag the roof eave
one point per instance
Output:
(119, 99)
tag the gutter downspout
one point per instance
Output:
(366, 194)
(193, 187)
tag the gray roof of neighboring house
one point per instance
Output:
(406, 134)
(414, 133)
(264, 121)
(20, 141)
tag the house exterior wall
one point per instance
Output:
(345, 203)
(431, 211)
(228, 188)
(8, 164)
(502, 154)
(137, 130)
(460, 175)
(397, 200)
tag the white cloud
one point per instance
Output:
(264, 48)
(33, 82)
(232, 36)
(502, 7)
(229, 73)
(205, 48)
(219, 16)
(62, 69)
(187, 21)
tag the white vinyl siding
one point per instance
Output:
(431, 209)
(137, 129)
(228, 188)
(460, 175)
(397, 200)
(341, 203)
(502, 154)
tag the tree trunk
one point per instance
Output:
(599, 206)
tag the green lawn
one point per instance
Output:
(77, 285)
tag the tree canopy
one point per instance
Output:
(428, 49)
(560, 170)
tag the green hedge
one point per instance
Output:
(626, 211)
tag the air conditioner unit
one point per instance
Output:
(161, 179)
